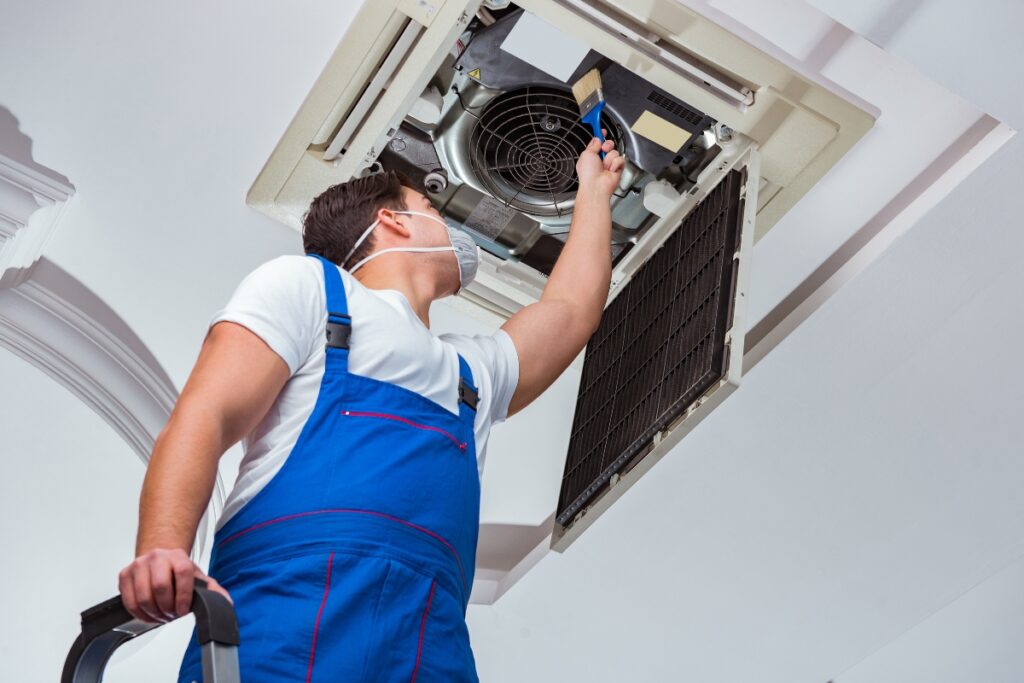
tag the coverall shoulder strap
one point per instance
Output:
(339, 322)
(337, 304)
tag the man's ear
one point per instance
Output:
(388, 219)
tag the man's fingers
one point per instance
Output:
(220, 589)
(158, 585)
(216, 587)
(144, 594)
(212, 584)
(125, 584)
(184, 582)
(161, 577)
(613, 161)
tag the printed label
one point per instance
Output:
(490, 217)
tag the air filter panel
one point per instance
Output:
(660, 346)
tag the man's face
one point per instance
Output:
(417, 201)
(430, 233)
(424, 232)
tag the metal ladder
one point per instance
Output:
(108, 625)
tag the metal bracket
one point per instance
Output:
(466, 394)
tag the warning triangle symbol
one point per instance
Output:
(475, 73)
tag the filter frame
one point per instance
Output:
(684, 291)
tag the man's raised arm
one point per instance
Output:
(549, 334)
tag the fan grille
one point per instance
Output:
(524, 148)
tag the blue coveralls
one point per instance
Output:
(355, 562)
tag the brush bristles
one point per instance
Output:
(585, 89)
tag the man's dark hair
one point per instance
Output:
(338, 216)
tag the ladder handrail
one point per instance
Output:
(108, 625)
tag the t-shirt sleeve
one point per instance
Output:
(497, 355)
(279, 302)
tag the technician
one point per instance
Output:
(348, 542)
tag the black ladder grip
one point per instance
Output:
(108, 625)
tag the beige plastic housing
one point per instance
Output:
(393, 47)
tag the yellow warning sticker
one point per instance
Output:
(659, 130)
(475, 73)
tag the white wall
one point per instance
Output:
(160, 114)
(865, 475)
(975, 638)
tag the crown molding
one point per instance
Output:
(57, 324)
(24, 229)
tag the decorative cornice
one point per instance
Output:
(52, 321)
(23, 191)
(57, 324)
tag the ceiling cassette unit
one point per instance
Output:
(473, 101)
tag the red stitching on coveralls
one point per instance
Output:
(423, 626)
(316, 629)
(417, 527)
(358, 413)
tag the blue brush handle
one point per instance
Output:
(593, 117)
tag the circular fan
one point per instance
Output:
(524, 148)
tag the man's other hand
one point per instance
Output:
(157, 586)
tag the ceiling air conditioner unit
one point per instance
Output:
(473, 101)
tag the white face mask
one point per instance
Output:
(466, 250)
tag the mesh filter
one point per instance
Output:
(660, 345)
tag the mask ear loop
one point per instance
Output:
(366, 234)
(359, 241)
(413, 249)
(385, 251)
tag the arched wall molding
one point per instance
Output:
(54, 322)
(23, 191)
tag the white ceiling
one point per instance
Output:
(864, 479)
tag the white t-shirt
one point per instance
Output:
(283, 301)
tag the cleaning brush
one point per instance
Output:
(590, 97)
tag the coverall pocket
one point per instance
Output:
(422, 631)
(305, 617)
(400, 420)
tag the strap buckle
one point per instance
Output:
(338, 331)
(467, 394)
